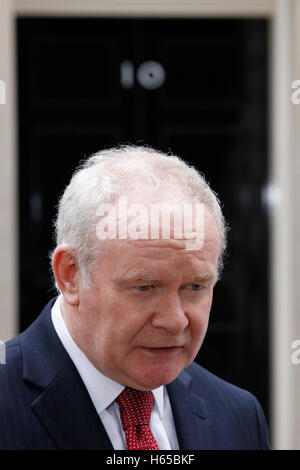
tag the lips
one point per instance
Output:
(161, 348)
(164, 347)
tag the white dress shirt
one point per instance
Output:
(103, 392)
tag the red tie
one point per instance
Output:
(135, 410)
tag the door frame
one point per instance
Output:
(282, 195)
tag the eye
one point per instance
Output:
(143, 288)
(196, 287)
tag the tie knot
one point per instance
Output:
(135, 407)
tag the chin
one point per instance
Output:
(157, 379)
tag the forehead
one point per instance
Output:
(126, 257)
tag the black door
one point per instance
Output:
(197, 87)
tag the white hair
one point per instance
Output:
(108, 174)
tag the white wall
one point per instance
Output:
(8, 242)
(295, 222)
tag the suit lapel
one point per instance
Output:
(68, 413)
(191, 416)
(64, 406)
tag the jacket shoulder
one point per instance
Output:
(234, 408)
(212, 386)
(11, 359)
(10, 373)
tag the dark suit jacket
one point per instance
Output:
(45, 405)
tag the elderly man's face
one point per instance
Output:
(147, 316)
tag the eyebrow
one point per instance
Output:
(141, 277)
(205, 278)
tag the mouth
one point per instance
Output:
(162, 349)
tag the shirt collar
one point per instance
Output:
(92, 378)
(158, 394)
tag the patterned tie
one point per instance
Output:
(135, 410)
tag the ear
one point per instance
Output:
(66, 273)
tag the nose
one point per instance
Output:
(170, 315)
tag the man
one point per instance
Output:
(109, 363)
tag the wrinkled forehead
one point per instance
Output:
(160, 259)
(171, 247)
(164, 246)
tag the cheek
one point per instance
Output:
(199, 327)
(199, 319)
(208, 299)
(118, 323)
